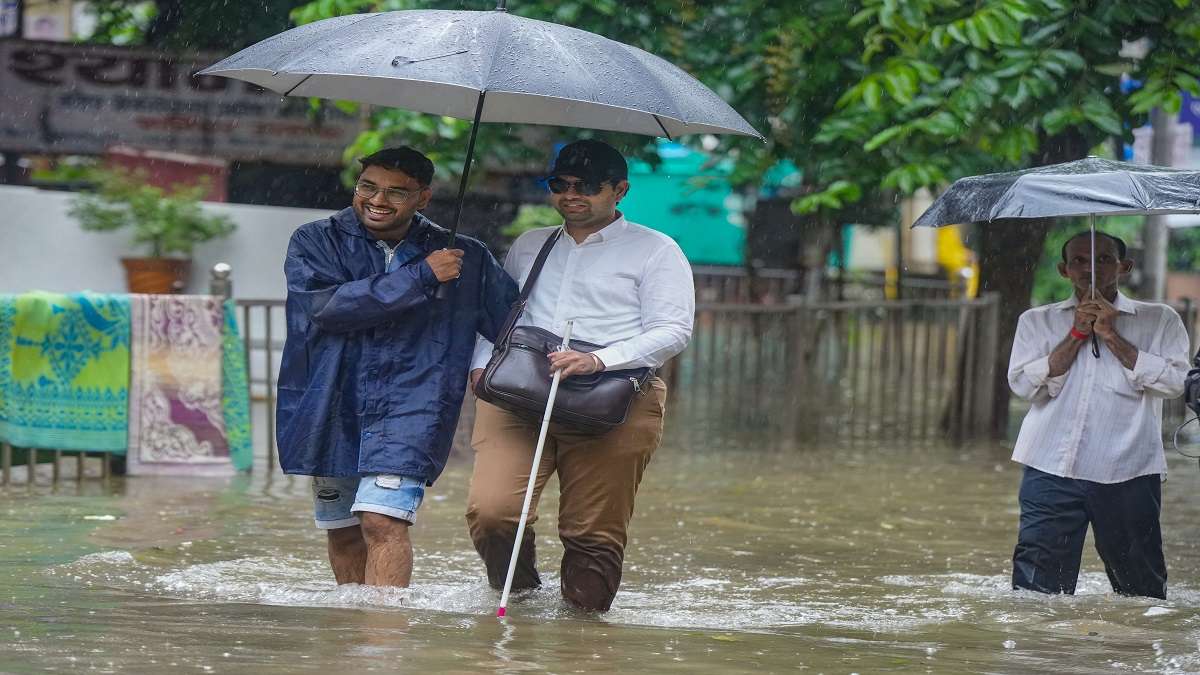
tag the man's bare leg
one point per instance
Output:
(389, 550)
(348, 554)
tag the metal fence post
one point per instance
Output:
(220, 281)
(270, 395)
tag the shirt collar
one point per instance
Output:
(610, 231)
(1123, 304)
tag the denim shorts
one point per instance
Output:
(338, 500)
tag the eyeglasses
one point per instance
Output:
(394, 195)
(586, 188)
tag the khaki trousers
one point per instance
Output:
(598, 478)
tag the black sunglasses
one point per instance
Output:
(587, 188)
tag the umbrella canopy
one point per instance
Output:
(441, 61)
(1087, 187)
(1091, 186)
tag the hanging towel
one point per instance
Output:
(64, 371)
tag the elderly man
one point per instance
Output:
(626, 287)
(374, 366)
(1092, 441)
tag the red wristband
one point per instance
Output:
(1077, 335)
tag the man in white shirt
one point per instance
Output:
(627, 287)
(1092, 441)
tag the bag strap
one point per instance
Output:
(518, 306)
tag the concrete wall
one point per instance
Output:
(43, 248)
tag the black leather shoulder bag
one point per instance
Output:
(517, 377)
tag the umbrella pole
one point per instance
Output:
(466, 172)
(443, 291)
(533, 470)
(1092, 224)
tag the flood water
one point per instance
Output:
(744, 557)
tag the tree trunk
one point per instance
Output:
(1008, 255)
(1009, 251)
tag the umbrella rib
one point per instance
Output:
(297, 86)
(664, 129)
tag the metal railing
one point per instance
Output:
(60, 462)
(839, 370)
(263, 333)
(778, 286)
(735, 285)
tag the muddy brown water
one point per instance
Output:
(745, 556)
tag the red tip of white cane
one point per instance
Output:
(500, 612)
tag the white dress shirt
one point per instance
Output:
(1099, 421)
(626, 286)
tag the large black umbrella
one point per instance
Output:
(485, 66)
(1086, 187)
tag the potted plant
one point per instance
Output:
(169, 222)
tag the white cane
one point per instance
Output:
(533, 470)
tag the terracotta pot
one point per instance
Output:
(156, 275)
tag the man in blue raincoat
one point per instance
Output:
(375, 366)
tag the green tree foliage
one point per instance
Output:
(192, 25)
(1184, 253)
(956, 88)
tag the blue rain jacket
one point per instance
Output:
(375, 367)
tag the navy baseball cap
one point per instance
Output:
(590, 160)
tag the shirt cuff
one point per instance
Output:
(1038, 373)
(428, 279)
(483, 354)
(612, 358)
(1054, 385)
(1148, 369)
